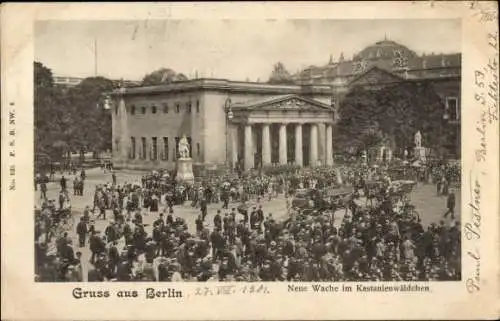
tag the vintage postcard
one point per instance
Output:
(229, 161)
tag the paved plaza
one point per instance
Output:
(430, 206)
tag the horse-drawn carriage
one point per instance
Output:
(400, 190)
(303, 199)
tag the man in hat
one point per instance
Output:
(75, 186)
(218, 220)
(81, 230)
(203, 208)
(450, 204)
(254, 219)
(63, 183)
(260, 214)
(111, 231)
(67, 252)
(96, 246)
(159, 222)
(43, 188)
(199, 224)
(225, 197)
(218, 243)
(113, 257)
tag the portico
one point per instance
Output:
(226, 123)
(282, 130)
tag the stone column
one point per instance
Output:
(122, 112)
(283, 146)
(329, 145)
(298, 145)
(266, 145)
(234, 145)
(313, 146)
(248, 147)
(321, 144)
(380, 157)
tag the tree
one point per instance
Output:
(280, 75)
(72, 120)
(392, 115)
(91, 130)
(162, 76)
(51, 115)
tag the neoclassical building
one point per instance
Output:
(257, 124)
(226, 122)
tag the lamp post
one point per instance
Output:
(446, 117)
(229, 116)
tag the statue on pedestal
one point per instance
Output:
(418, 139)
(184, 147)
(184, 163)
(420, 152)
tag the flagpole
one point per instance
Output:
(95, 57)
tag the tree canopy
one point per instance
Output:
(70, 120)
(391, 115)
(280, 75)
(51, 115)
(92, 128)
(162, 76)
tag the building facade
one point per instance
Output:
(226, 122)
(256, 124)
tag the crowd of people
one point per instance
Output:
(242, 241)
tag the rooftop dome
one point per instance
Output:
(385, 49)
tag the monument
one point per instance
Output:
(184, 163)
(419, 150)
(364, 158)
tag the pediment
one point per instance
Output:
(287, 102)
(375, 76)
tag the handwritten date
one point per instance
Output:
(231, 289)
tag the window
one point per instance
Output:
(153, 109)
(165, 148)
(132, 148)
(177, 108)
(132, 110)
(154, 148)
(452, 108)
(176, 148)
(143, 148)
(190, 146)
(165, 108)
(198, 149)
(188, 105)
(143, 110)
(197, 106)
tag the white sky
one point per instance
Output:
(232, 49)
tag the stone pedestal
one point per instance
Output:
(380, 156)
(388, 158)
(420, 153)
(185, 170)
(339, 177)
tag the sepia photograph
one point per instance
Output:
(247, 150)
(250, 161)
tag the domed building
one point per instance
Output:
(388, 62)
(385, 49)
(387, 55)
